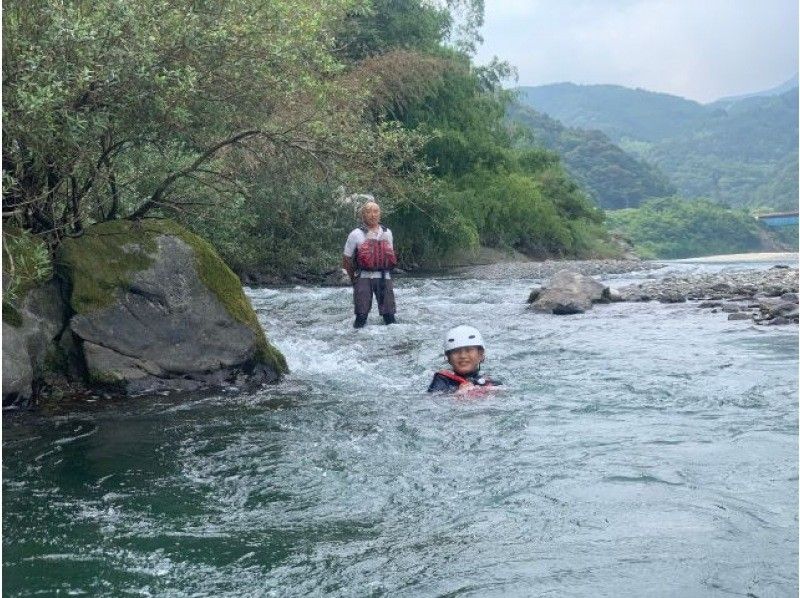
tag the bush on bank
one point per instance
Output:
(679, 228)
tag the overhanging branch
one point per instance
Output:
(156, 198)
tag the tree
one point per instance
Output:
(119, 108)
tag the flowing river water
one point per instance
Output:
(636, 450)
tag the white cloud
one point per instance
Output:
(700, 50)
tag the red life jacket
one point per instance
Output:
(461, 381)
(452, 376)
(375, 254)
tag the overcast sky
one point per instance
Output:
(698, 49)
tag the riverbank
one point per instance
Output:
(750, 258)
(762, 296)
(761, 287)
(547, 268)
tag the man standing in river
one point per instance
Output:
(368, 260)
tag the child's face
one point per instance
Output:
(465, 360)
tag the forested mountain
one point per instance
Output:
(614, 178)
(617, 111)
(787, 85)
(742, 152)
(746, 156)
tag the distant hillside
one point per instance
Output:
(617, 111)
(614, 178)
(743, 154)
(746, 156)
(774, 91)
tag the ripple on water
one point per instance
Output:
(628, 443)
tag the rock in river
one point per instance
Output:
(155, 308)
(570, 293)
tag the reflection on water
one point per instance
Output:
(639, 450)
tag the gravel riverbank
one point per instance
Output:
(546, 269)
(763, 296)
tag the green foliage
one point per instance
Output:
(26, 263)
(280, 230)
(502, 196)
(737, 152)
(386, 25)
(786, 236)
(541, 216)
(612, 177)
(115, 107)
(680, 228)
(248, 121)
(428, 225)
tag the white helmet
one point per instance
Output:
(462, 336)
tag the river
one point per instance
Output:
(635, 450)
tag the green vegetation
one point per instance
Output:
(614, 178)
(619, 112)
(26, 263)
(249, 122)
(490, 192)
(680, 228)
(787, 236)
(744, 157)
(739, 152)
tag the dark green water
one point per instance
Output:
(637, 450)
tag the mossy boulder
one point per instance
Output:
(155, 308)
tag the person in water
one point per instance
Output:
(464, 349)
(368, 259)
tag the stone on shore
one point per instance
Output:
(336, 278)
(570, 293)
(672, 296)
(740, 315)
(534, 294)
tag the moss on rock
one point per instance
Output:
(227, 287)
(102, 262)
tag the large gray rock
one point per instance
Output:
(26, 347)
(165, 327)
(17, 368)
(570, 293)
